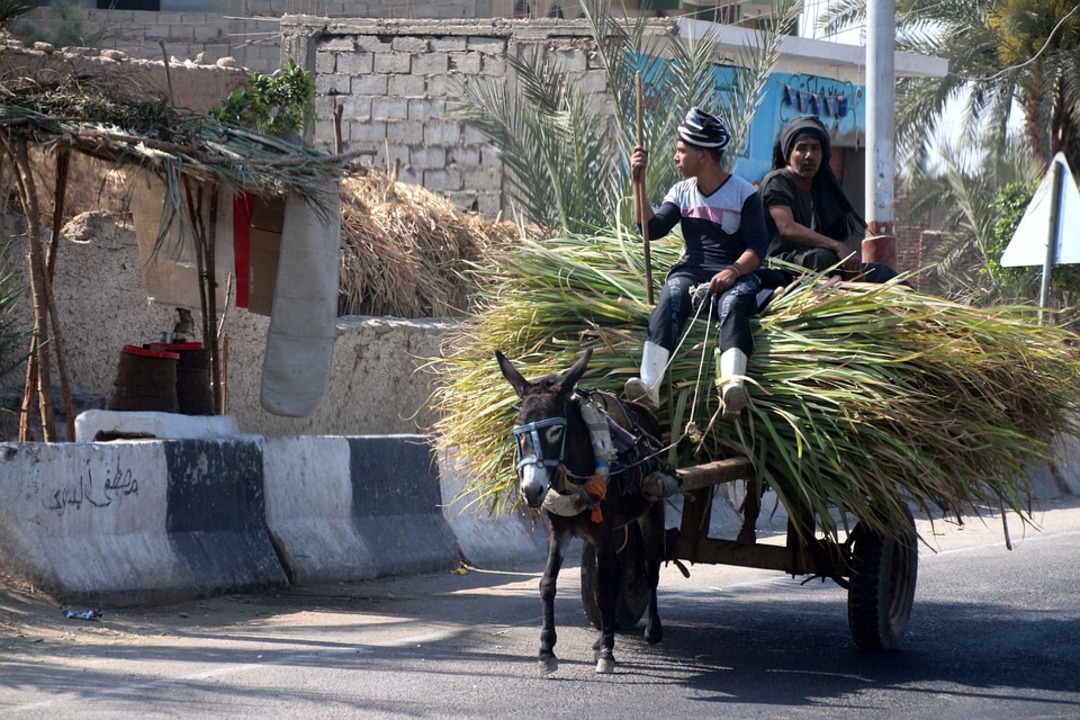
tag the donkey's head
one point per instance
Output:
(541, 427)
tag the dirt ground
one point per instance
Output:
(28, 618)
(31, 620)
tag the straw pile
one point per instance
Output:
(864, 396)
(404, 249)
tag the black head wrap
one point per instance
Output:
(835, 212)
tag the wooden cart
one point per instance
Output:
(878, 570)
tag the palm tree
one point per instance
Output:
(1002, 54)
(12, 10)
(970, 181)
(566, 152)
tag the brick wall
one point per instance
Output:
(394, 80)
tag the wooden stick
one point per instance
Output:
(642, 200)
(339, 143)
(210, 247)
(63, 165)
(38, 285)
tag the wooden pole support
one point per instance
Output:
(642, 200)
(717, 472)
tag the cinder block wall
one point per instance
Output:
(396, 79)
(246, 30)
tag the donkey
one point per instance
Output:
(557, 468)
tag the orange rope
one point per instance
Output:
(596, 486)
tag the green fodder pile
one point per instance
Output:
(864, 396)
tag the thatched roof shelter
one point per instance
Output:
(104, 116)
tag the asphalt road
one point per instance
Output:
(994, 634)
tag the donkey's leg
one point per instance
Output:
(652, 536)
(548, 637)
(607, 592)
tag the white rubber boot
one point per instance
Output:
(733, 395)
(646, 389)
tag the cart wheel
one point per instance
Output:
(633, 597)
(883, 574)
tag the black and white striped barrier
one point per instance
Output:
(145, 521)
(136, 522)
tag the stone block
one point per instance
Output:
(207, 33)
(427, 156)
(488, 45)
(569, 60)
(430, 64)
(355, 108)
(448, 44)
(325, 63)
(333, 85)
(375, 84)
(482, 177)
(490, 203)
(425, 109)
(476, 137)
(493, 66)
(338, 45)
(355, 63)
(409, 44)
(389, 108)
(392, 63)
(466, 157)
(412, 176)
(442, 86)
(406, 132)
(442, 132)
(464, 63)
(406, 86)
(442, 180)
(372, 43)
(363, 134)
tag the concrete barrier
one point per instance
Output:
(396, 498)
(138, 522)
(309, 510)
(486, 540)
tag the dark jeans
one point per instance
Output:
(734, 308)
(821, 259)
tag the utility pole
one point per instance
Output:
(880, 243)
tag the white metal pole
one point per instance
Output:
(880, 244)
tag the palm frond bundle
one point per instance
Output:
(106, 119)
(864, 396)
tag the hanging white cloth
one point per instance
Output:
(300, 340)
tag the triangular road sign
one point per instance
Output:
(1028, 244)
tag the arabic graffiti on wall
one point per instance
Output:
(89, 491)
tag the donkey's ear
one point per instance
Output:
(571, 376)
(511, 374)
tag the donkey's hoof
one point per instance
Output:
(653, 635)
(605, 665)
(548, 665)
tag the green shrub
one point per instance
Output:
(274, 104)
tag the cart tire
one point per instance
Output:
(884, 569)
(634, 593)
